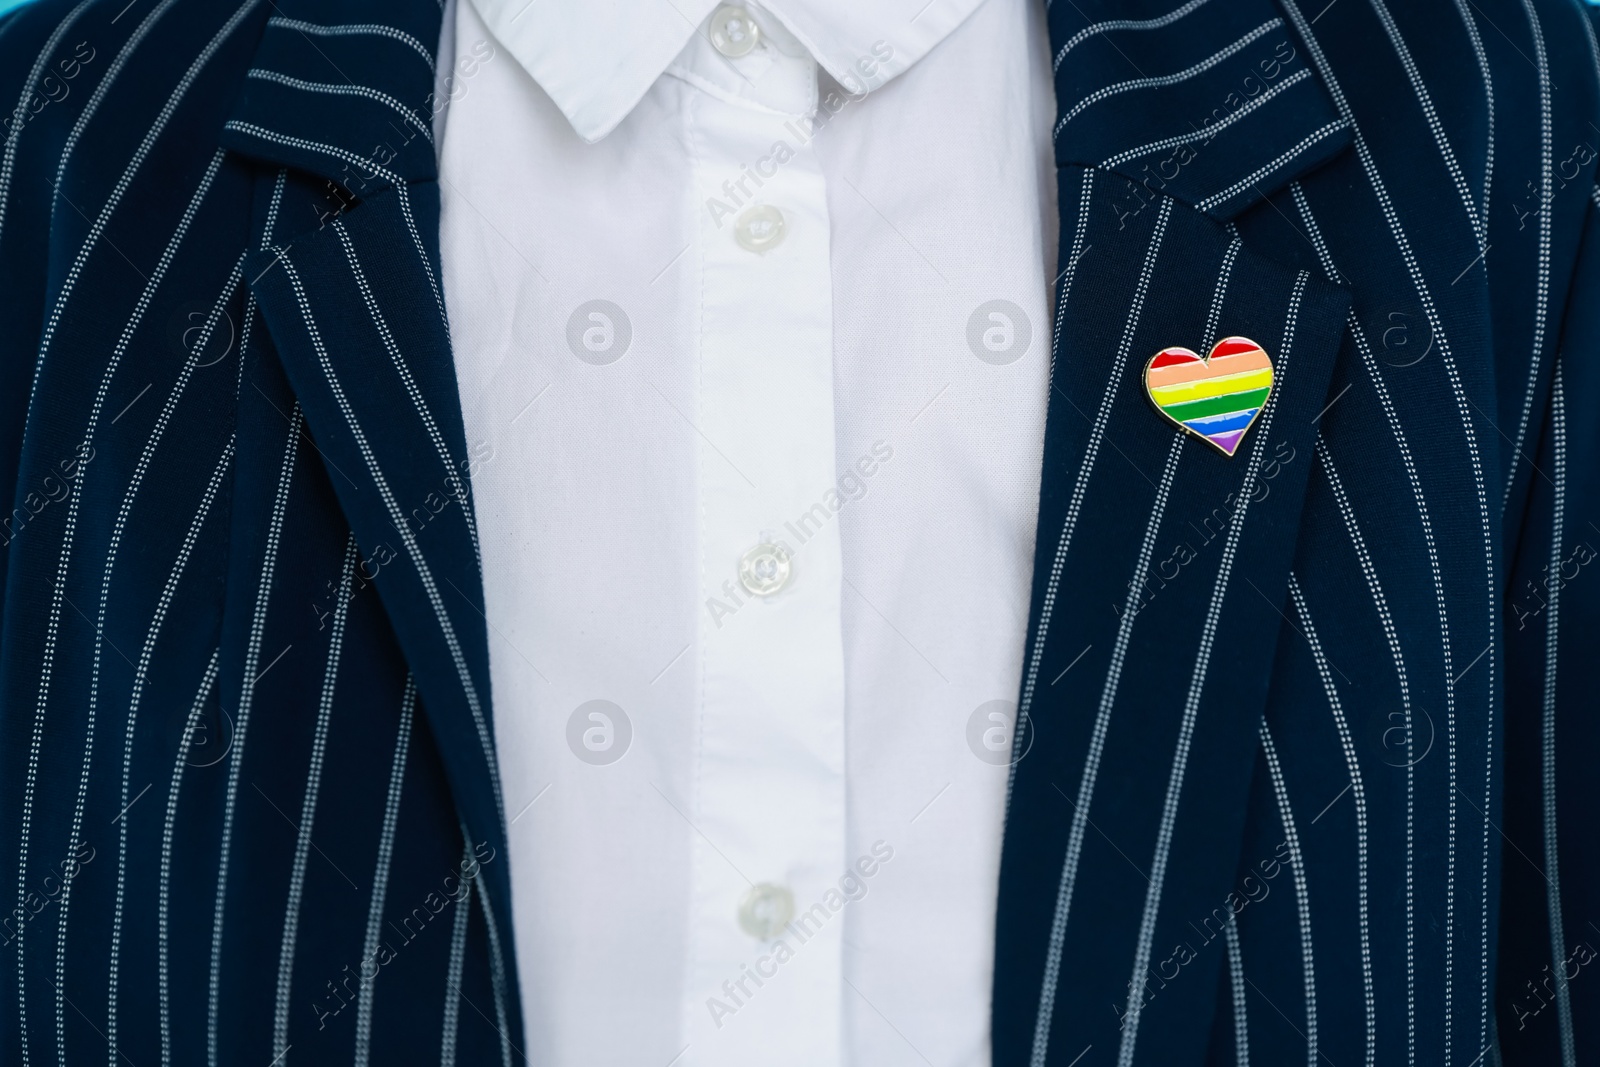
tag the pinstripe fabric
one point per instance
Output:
(1312, 809)
(237, 830)
(1552, 879)
(1291, 838)
(1330, 730)
(1548, 794)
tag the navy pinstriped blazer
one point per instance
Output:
(1306, 732)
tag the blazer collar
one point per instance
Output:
(343, 89)
(1215, 103)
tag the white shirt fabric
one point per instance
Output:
(655, 399)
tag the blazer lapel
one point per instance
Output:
(348, 285)
(1162, 563)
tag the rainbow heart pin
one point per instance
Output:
(1216, 397)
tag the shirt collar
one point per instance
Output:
(597, 58)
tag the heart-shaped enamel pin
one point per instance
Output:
(1215, 397)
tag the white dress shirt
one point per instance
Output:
(749, 312)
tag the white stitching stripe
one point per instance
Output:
(272, 208)
(352, 29)
(343, 90)
(312, 146)
(380, 876)
(427, 264)
(308, 805)
(1069, 272)
(179, 761)
(1166, 79)
(1122, 24)
(1191, 710)
(8, 162)
(252, 658)
(1542, 300)
(452, 977)
(1241, 1015)
(1471, 25)
(497, 976)
(1302, 892)
(1358, 792)
(1594, 45)
(1220, 290)
(1552, 864)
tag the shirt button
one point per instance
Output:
(733, 32)
(764, 569)
(766, 910)
(759, 229)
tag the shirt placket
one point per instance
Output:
(764, 968)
